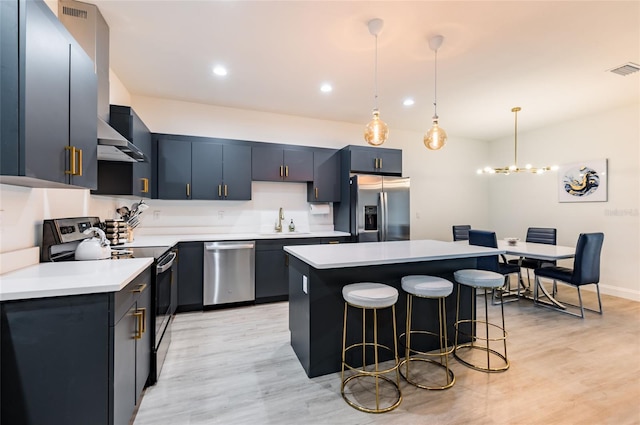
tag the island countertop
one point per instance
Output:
(378, 253)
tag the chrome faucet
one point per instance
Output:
(280, 218)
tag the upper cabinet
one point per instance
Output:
(325, 186)
(275, 163)
(49, 133)
(200, 169)
(363, 159)
(127, 178)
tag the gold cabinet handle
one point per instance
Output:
(375, 162)
(219, 191)
(144, 319)
(72, 160)
(281, 171)
(140, 288)
(316, 193)
(188, 190)
(226, 192)
(145, 185)
(139, 315)
(380, 163)
(334, 242)
(286, 171)
(79, 162)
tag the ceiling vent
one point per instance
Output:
(626, 69)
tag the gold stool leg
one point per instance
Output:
(377, 374)
(415, 355)
(487, 338)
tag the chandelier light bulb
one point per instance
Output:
(377, 131)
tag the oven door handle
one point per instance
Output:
(167, 262)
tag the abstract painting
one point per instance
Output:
(584, 181)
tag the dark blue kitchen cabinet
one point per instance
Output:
(56, 102)
(201, 168)
(79, 359)
(127, 178)
(173, 161)
(372, 160)
(275, 163)
(10, 85)
(326, 177)
(190, 276)
(272, 266)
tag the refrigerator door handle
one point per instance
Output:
(380, 224)
(382, 204)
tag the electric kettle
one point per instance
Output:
(94, 248)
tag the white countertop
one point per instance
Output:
(70, 278)
(170, 240)
(86, 277)
(376, 253)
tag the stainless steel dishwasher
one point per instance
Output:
(229, 272)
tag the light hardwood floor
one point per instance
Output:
(236, 366)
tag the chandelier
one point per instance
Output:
(514, 168)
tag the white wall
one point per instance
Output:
(523, 200)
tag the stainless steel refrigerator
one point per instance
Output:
(378, 208)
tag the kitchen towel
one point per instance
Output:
(318, 209)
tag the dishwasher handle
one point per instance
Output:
(216, 247)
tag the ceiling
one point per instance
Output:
(549, 57)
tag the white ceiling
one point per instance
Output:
(549, 57)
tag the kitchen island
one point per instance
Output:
(317, 274)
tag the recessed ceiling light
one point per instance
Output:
(408, 102)
(220, 70)
(326, 88)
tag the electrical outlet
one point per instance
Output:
(220, 215)
(418, 215)
(156, 214)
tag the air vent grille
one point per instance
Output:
(76, 13)
(626, 69)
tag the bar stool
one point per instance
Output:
(369, 296)
(430, 287)
(487, 281)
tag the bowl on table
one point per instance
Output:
(512, 241)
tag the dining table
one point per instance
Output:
(543, 252)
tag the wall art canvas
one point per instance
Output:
(584, 181)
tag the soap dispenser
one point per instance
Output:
(292, 227)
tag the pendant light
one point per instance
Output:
(436, 137)
(377, 131)
(514, 168)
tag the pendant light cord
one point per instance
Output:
(435, 87)
(515, 152)
(375, 76)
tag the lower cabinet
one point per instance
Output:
(272, 266)
(190, 296)
(131, 347)
(80, 359)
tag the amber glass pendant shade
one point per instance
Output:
(435, 138)
(377, 131)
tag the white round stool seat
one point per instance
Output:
(370, 295)
(427, 286)
(479, 278)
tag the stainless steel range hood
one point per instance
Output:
(112, 146)
(85, 22)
